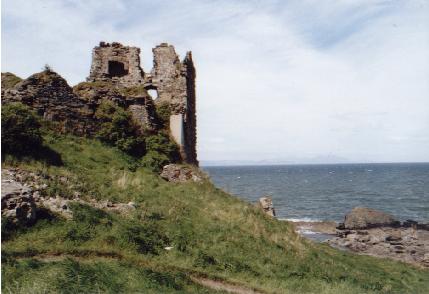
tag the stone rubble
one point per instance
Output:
(180, 174)
(21, 198)
(17, 202)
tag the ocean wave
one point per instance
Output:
(304, 219)
(307, 232)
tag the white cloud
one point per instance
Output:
(275, 80)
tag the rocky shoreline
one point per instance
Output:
(369, 234)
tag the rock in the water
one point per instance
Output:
(406, 244)
(17, 203)
(266, 203)
(180, 174)
(363, 218)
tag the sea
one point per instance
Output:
(328, 192)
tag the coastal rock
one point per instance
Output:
(408, 242)
(401, 243)
(363, 218)
(180, 174)
(266, 203)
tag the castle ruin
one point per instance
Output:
(173, 80)
(116, 75)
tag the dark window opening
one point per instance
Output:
(117, 69)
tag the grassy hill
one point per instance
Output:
(213, 235)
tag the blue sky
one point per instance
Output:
(296, 81)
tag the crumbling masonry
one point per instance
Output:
(173, 80)
(115, 74)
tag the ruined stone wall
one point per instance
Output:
(53, 99)
(116, 63)
(116, 75)
(175, 84)
(190, 121)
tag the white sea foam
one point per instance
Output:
(305, 219)
(306, 232)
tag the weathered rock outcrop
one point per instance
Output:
(375, 233)
(180, 174)
(401, 243)
(363, 218)
(266, 204)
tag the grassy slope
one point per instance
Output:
(9, 80)
(213, 234)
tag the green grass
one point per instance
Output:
(213, 234)
(92, 276)
(9, 80)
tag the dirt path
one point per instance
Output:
(206, 282)
(224, 286)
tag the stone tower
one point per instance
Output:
(116, 63)
(174, 81)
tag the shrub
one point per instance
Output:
(155, 161)
(133, 91)
(106, 110)
(117, 129)
(162, 144)
(47, 68)
(20, 130)
(163, 112)
(161, 151)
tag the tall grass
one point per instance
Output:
(212, 234)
